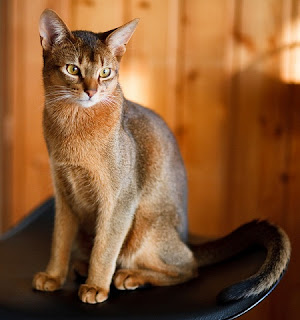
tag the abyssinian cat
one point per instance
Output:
(120, 183)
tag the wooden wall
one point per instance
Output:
(224, 74)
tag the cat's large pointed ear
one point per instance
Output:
(118, 39)
(52, 29)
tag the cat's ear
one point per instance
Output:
(118, 39)
(52, 29)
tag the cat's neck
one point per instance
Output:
(69, 119)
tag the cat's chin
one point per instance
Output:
(87, 103)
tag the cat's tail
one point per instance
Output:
(261, 233)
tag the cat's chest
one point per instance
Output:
(81, 188)
(74, 152)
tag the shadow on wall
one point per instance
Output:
(263, 167)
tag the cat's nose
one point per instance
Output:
(90, 92)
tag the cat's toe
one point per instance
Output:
(44, 282)
(127, 280)
(92, 294)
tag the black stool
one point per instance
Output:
(25, 250)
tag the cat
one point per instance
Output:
(119, 180)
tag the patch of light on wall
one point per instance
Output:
(135, 85)
(290, 58)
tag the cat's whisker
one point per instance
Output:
(55, 100)
(61, 95)
(109, 102)
(58, 92)
(58, 97)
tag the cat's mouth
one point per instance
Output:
(87, 101)
(82, 100)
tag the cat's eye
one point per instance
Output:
(105, 72)
(72, 69)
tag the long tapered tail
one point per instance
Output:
(261, 233)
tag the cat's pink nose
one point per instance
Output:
(90, 92)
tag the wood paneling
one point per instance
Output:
(225, 76)
(258, 115)
(102, 15)
(204, 78)
(3, 25)
(27, 180)
(149, 66)
(260, 129)
(290, 294)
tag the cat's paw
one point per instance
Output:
(127, 280)
(92, 294)
(44, 282)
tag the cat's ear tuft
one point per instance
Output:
(118, 39)
(52, 29)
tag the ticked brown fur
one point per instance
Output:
(120, 183)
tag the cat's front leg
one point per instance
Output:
(65, 228)
(111, 230)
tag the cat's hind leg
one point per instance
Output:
(160, 262)
(130, 279)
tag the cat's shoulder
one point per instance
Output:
(135, 112)
(146, 125)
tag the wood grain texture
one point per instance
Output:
(28, 180)
(257, 173)
(290, 292)
(258, 122)
(96, 15)
(225, 76)
(3, 58)
(147, 74)
(203, 108)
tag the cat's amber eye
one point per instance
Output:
(72, 69)
(105, 72)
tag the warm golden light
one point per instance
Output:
(290, 63)
(135, 85)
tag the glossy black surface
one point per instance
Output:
(25, 250)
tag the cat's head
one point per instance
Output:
(81, 67)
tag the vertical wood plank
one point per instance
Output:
(204, 79)
(96, 15)
(37, 185)
(259, 121)
(17, 113)
(291, 294)
(260, 124)
(28, 182)
(148, 73)
(3, 60)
